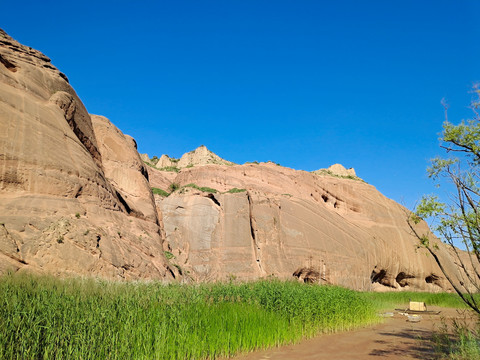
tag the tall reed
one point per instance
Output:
(48, 318)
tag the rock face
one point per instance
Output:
(201, 156)
(165, 161)
(74, 197)
(198, 157)
(124, 169)
(280, 222)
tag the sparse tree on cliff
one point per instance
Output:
(457, 220)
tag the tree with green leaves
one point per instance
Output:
(456, 221)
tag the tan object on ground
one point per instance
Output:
(417, 306)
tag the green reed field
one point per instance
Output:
(49, 318)
(389, 300)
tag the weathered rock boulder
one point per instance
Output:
(68, 203)
(124, 169)
(201, 156)
(337, 170)
(166, 161)
(145, 158)
(198, 157)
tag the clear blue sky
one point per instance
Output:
(303, 83)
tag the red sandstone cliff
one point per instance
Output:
(76, 198)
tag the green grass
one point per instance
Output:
(150, 164)
(160, 192)
(398, 299)
(169, 168)
(173, 187)
(235, 190)
(166, 168)
(204, 188)
(43, 317)
(48, 318)
(168, 255)
(457, 341)
(466, 346)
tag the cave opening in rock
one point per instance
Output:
(433, 279)
(123, 202)
(8, 64)
(402, 279)
(308, 275)
(377, 275)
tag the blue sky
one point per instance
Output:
(303, 83)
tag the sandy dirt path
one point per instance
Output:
(396, 338)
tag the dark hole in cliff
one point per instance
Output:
(312, 276)
(171, 272)
(144, 172)
(64, 77)
(212, 197)
(325, 198)
(79, 192)
(433, 279)
(335, 205)
(378, 276)
(14, 48)
(9, 65)
(98, 241)
(124, 203)
(307, 274)
(402, 279)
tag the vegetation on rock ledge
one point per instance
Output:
(160, 192)
(204, 188)
(329, 173)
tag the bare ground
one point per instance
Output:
(396, 338)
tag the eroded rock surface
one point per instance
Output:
(69, 203)
(280, 222)
(337, 170)
(124, 169)
(75, 197)
(198, 157)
